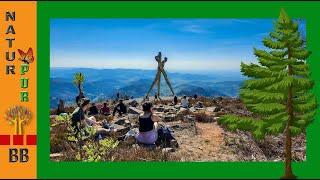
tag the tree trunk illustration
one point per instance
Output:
(20, 124)
(288, 143)
(18, 116)
(15, 123)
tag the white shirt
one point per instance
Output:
(184, 103)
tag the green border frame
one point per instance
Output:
(164, 9)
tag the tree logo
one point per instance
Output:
(18, 116)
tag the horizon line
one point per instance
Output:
(102, 68)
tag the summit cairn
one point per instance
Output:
(158, 75)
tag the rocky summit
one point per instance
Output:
(198, 136)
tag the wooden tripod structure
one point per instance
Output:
(160, 71)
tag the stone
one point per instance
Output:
(176, 126)
(159, 109)
(211, 109)
(169, 110)
(220, 113)
(217, 109)
(133, 118)
(192, 109)
(56, 155)
(174, 143)
(190, 118)
(169, 117)
(133, 103)
(120, 121)
(199, 104)
(216, 118)
(133, 110)
(178, 106)
(168, 150)
(119, 130)
(199, 109)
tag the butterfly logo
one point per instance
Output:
(26, 57)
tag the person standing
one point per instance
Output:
(118, 96)
(195, 96)
(175, 100)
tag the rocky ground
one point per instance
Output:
(196, 130)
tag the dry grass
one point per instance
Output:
(59, 138)
(141, 154)
(203, 117)
(207, 102)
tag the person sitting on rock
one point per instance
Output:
(148, 126)
(105, 110)
(93, 110)
(120, 108)
(184, 102)
(80, 120)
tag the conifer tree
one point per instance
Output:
(278, 92)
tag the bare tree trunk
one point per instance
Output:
(159, 80)
(79, 87)
(167, 80)
(153, 83)
(288, 144)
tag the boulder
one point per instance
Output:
(169, 117)
(199, 109)
(120, 121)
(159, 109)
(119, 130)
(217, 109)
(211, 109)
(199, 104)
(215, 119)
(190, 118)
(178, 106)
(167, 150)
(123, 122)
(192, 109)
(133, 110)
(133, 103)
(169, 109)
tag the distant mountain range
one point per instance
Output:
(101, 84)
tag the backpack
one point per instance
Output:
(165, 136)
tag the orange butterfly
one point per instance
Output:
(26, 57)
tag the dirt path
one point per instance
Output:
(207, 145)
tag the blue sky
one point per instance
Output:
(190, 44)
